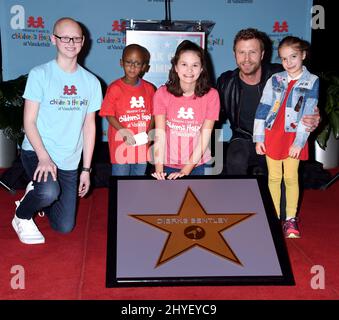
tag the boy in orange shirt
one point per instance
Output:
(128, 108)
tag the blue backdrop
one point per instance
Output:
(26, 25)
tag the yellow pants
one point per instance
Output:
(287, 168)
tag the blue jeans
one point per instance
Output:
(56, 198)
(134, 169)
(197, 171)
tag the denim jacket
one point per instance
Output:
(301, 101)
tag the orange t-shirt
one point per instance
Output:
(132, 107)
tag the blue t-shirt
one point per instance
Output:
(65, 99)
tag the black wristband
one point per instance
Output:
(86, 169)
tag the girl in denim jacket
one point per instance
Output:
(278, 131)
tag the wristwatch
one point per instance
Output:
(86, 169)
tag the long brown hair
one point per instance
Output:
(202, 85)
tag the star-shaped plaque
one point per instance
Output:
(193, 226)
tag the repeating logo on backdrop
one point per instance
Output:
(280, 29)
(29, 31)
(115, 39)
(193, 227)
(213, 42)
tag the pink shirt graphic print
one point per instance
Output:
(184, 118)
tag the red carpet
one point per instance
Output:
(73, 266)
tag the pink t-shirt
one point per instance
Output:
(184, 118)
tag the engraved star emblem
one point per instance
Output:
(192, 227)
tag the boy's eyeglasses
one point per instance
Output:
(136, 64)
(69, 39)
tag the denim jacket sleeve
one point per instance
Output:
(263, 109)
(311, 101)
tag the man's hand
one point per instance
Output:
(294, 152)
(260, 148)
(311, 121)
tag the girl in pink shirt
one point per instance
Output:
(185, 109)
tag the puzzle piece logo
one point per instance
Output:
(70, 90)
(183, 114)
(137, 103)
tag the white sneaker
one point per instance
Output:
(27, 231)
